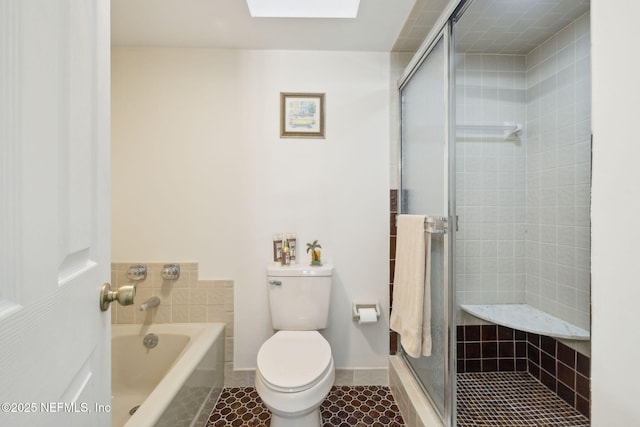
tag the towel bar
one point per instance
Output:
(434, 224)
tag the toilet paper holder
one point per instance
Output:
(357, 306)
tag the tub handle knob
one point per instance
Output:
(124, 295)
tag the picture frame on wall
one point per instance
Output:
(302, 115)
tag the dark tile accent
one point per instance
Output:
(460, 351)
(353, 405)
(533, 353)
(489, 365)
(472, 333)
(548, 380)
(393, 210)
(506, 349)
(583, 405)
(566, 375)
(548, 345)
(393, 230)
(488, 333)
(392, 247)
(567, 355)
(489, 349)
(553, 363)
(533, 339)
(583, 365)
(583, 386)
(548, 363)
(507, 365)
(534, 369)
(566, 394)
(393, 342)
(505, 334)
(472, 350)
(392, 271)
(473, 365)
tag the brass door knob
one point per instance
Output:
(124, 295)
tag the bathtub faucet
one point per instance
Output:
(150, 303)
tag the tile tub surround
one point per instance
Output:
(186, 300)
(345, 405)
(491, 348)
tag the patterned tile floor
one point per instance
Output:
(491, 399)
(345, 406)
(511, 399)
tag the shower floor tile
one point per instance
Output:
(345, 406)
(511, 399)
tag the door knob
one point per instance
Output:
(124, 295)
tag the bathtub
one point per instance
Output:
(175, 382)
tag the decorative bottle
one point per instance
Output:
(285, 254)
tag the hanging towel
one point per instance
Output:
(411, 313)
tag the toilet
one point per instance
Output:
(295, 369)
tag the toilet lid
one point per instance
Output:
(294, 360)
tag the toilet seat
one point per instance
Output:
(292, 361)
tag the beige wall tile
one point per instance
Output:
(197, 313)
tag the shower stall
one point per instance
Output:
(496, 141)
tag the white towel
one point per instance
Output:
(411, 313)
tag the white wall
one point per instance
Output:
(614, 213)
(200, 173)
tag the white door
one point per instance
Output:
(54, 212)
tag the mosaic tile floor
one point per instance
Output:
(345, 406)
(511, 399)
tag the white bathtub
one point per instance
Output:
(172, 382)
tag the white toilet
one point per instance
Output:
(295, 370)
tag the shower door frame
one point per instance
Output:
(444, 29)
(448, 415)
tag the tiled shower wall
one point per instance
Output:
(490, 180)
(185, 300)
(559, 174)
(524, 203)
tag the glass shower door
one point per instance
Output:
(424, 190)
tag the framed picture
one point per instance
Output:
(301, 115)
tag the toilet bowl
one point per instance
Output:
(294, 374)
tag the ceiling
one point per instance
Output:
(488, 26)
(513, 26)
(423, 16)
(227, 24)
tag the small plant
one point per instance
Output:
(315, 252)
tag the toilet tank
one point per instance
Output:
(299, 296)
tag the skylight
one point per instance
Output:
(303, 8)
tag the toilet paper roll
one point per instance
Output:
(367, 315)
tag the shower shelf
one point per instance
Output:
(506, 131)
(527, 318)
